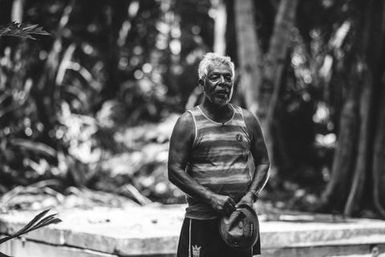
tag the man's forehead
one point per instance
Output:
(219, 68)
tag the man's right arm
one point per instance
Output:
(180, 149)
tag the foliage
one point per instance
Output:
(37, 222)
(66, 99)
(20, 30)
(89, 105)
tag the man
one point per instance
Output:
(208, 160)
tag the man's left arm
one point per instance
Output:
(261, 159)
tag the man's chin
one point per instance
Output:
(222, 103)
(219, 101)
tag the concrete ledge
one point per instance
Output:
(154, 230)
(24, 248)
(134, 231)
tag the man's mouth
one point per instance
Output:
(222, 93)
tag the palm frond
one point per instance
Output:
(21, 30)
(4, 255)
(37, 222)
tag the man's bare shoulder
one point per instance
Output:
(250, 119)
(253, 124)
(184, 126)
(185, 122)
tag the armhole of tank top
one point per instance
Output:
(195, 127)
(244, 122)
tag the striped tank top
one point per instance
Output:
(219, 159)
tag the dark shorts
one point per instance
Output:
(201, 238)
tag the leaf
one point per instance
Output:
(30, 27)
(35, 223)
(32, 222)
(4, 255)
(45, 220)
(34, 146)
(22, 30)
(46, 223)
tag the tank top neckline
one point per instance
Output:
(218, 123)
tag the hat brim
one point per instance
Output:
(240, 230)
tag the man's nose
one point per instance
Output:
(222, 79)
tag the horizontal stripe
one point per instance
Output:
(220, 178)
(233, 136)
(206, 145)
(240, 178)
(206, 123)
(229, 151)
(235, 189)
(217, 159)
(200, 117)
(221, 167)
(222, 129)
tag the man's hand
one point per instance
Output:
(247, 199)
(222, 204)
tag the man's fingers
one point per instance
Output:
(239, 203)
(231, 205)
(232, 202)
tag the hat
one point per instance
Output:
(241, 229)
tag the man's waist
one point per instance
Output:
(197, 202)
(199, 210)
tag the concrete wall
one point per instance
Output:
(153, 231)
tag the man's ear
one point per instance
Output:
(201, 82)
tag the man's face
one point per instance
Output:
(218, 84)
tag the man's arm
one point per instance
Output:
(260, 155)
(180, 148)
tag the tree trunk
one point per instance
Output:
(275, 60)
(220, 21)
(379, 162)
(365, 158)
(17, 10)
(356, 191)
(350, 153)
(261, 87)
(272, 79)
(249, 53)
(345, 153)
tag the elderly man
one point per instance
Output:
(208, 160)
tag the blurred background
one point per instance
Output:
(90, 91)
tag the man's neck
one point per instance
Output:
(215, 112)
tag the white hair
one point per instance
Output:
(211, 58)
